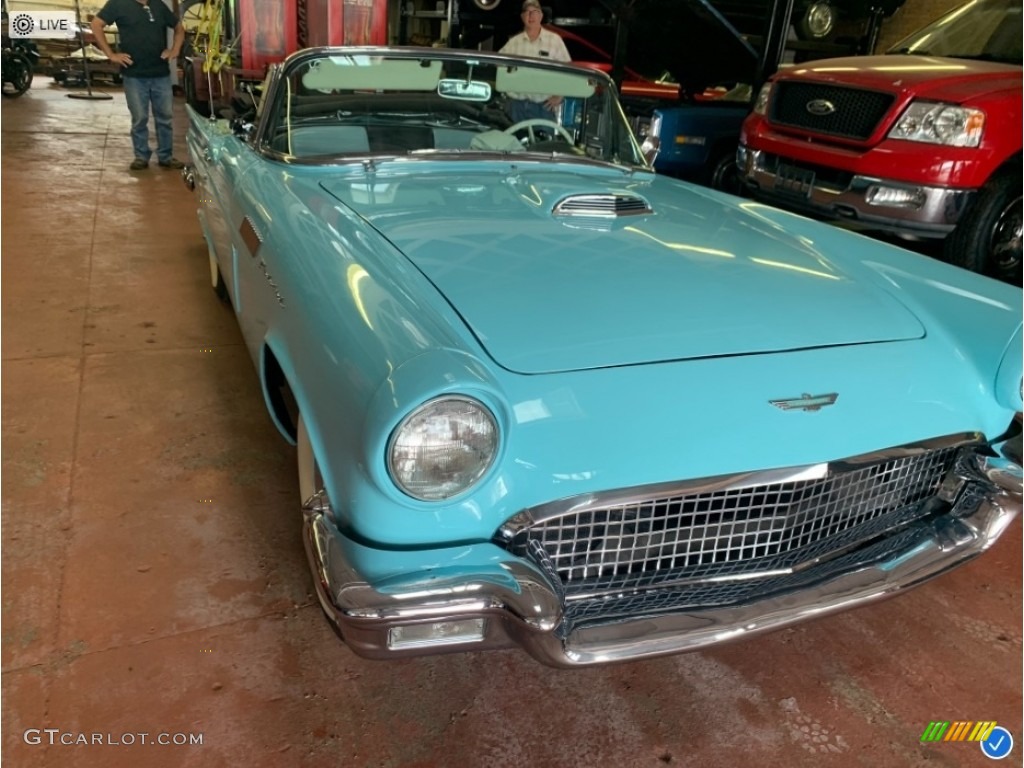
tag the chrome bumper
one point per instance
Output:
(935, 215)
(516, 604)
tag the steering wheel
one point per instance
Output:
(537, 122)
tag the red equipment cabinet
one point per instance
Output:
(268, 31)
(343, 22)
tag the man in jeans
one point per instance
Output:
(539, 43)
(145, 58)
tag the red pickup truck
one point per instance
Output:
(924, 142)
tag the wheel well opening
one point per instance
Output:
(279, 394)
(1011, 167)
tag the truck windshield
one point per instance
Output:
(988, 30)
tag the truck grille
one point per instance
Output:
(857, 113)
(722, 547)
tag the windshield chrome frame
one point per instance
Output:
(283, 70)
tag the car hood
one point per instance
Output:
(698, 276)
(932, 76)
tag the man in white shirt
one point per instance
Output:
(537, 42)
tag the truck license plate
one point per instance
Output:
(791, 180)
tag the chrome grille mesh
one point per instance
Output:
(611, 607)
(722, 546)
(857, 112)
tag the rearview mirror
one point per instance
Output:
(474, 90)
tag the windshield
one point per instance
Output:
(417, 103)
(988, 30)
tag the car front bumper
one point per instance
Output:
(867, 202)
(510, 602)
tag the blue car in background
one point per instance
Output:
(697, 139)
(689, 135)
(685, 88)
(546, 398)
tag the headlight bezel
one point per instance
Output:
(474, 478)
(941, 123)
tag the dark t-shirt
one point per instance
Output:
(142, 38)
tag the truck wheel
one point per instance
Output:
(723, 173)
(818, 21)
(190, 12)
(988, 237)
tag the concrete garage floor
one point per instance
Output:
(154, 580)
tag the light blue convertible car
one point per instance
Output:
(544, 398)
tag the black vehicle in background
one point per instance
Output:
(20, 57)
(19, 61)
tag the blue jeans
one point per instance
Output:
(522, 109)
(141, 92)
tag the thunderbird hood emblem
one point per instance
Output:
(806, 402)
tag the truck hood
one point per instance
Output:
(699, 275)
(929, 76)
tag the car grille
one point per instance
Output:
(856, 114)
(723, 547)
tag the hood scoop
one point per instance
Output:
(607, 206)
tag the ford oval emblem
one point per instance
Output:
(821, 107)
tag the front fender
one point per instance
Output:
(430, 375)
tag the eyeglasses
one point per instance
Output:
(149, 13)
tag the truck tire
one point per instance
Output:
(723, 174)
(988, 237)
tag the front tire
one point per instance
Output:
(988, 237)
(17, 74)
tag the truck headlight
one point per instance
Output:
(442, 448)
(761, 105)
(936, 122)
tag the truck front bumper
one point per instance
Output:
(507, 601)
(867, 202)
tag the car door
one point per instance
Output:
(206, 139)
(222, 161)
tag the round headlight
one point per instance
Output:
(442, 448)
